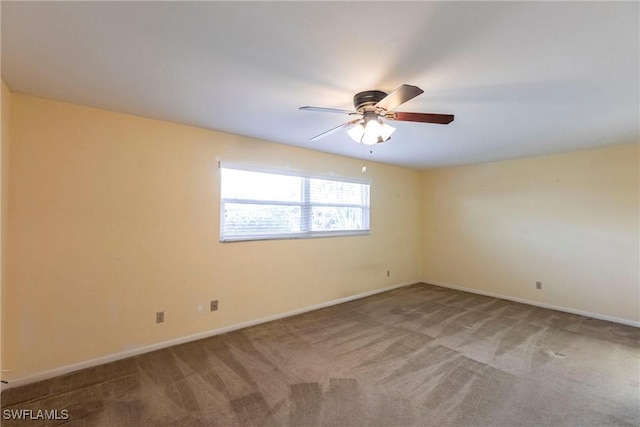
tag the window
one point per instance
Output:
(257, 204)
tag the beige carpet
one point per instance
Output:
(416, 356)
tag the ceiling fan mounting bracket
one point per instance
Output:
(366, 101)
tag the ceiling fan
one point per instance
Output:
(372, 106)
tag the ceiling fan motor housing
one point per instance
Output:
(366, 100)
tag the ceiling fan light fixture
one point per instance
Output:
(370, 139)
(372, 131)
(372, 126)
(386, 131)
(356, 132)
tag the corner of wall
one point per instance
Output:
(5, 124)
(422, 231)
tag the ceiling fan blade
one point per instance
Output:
(326, 110)
(335, 129)
(399, 96)
(441, 119)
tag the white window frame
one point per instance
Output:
(305, 204)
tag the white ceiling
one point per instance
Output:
(522, 78)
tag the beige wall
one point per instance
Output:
(114, 217)
(5, 110)
(569, 221)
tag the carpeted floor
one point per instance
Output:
(416, 356)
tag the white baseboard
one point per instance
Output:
(537, 303)
(44, 375)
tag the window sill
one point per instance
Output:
(301, 236)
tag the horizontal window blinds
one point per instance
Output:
(257, 204)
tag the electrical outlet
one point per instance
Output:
(159, 316)
(388, 273)
(538, 285)
(214, 305)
